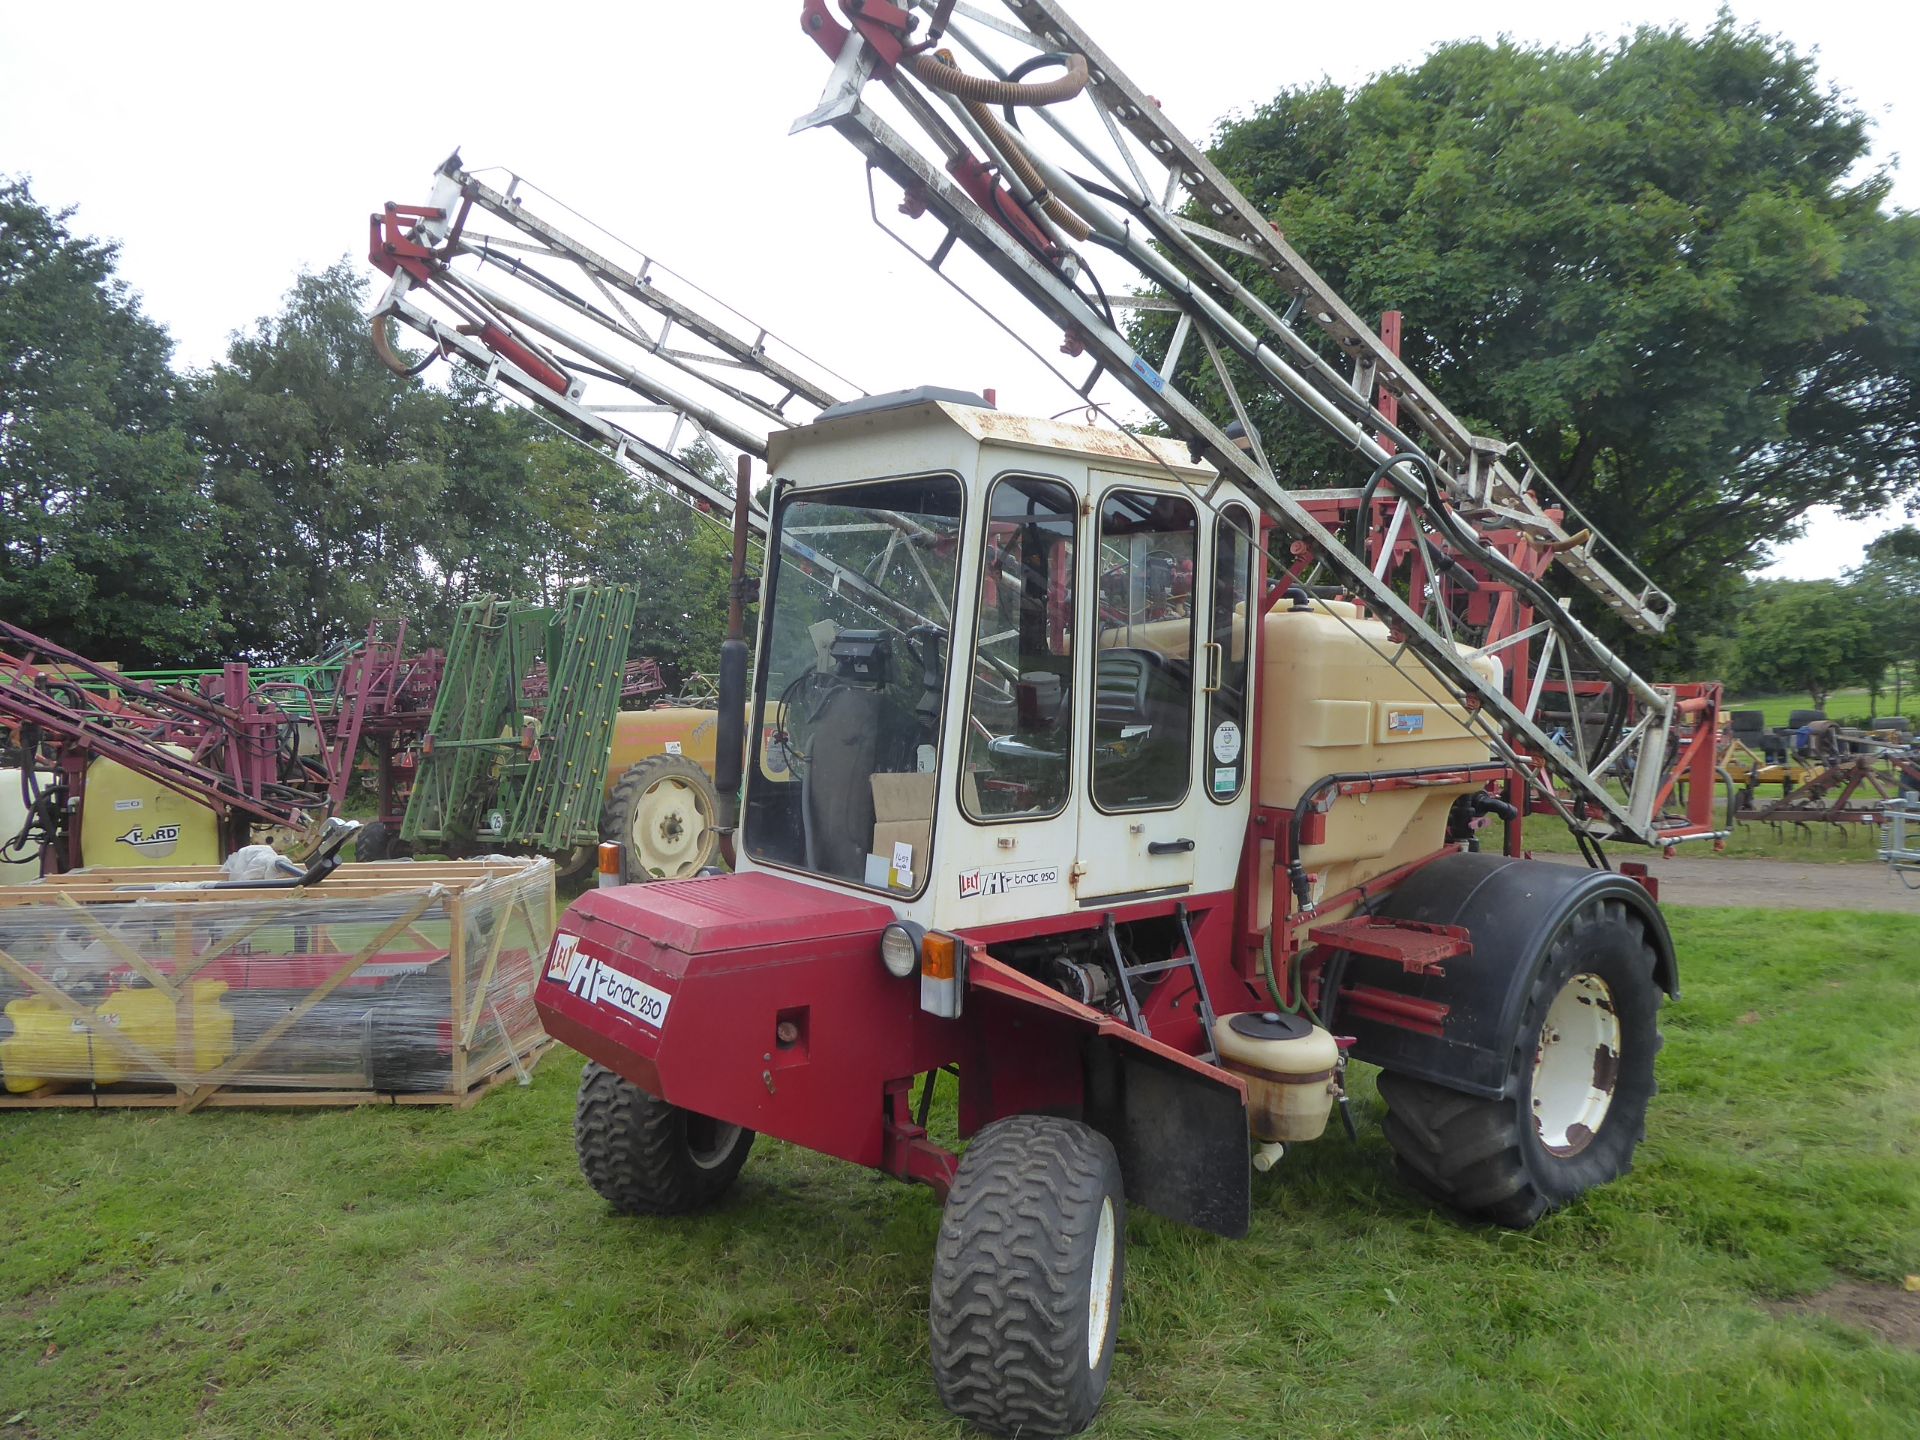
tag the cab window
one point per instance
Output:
(1225, 762)
(1143, 665)
(1019, 719)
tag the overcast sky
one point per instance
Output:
(226, 146)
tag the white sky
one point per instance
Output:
(228, 145)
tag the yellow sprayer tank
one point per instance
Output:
(1331, 703)
(642, 734)
(131, 820)
(670, 730)
(48, 1043)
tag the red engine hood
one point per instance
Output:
(751, 998)
(726, 912)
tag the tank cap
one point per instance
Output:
(1270, 1026)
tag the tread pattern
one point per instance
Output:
(378, 840)
(1008, 1312)
(1472, 1154)
(633, 1149)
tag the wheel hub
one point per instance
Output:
(669, 830)
(1576, 1065)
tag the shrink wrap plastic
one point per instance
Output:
(369, 980)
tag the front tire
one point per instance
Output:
(1028, 1275)
(646, 1157)
(1582, 1080)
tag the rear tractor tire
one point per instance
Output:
(1582, 1080)
(661, 815)
(376, 841)
(646, 1157)
(1028, 1273)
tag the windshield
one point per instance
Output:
(852, 680)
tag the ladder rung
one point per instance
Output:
(1176, 963)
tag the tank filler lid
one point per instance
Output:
(1270, 1025)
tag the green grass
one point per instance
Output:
(1548, 835)
(399, 1273)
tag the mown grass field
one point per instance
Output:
(400, 1273)
(1548, 835)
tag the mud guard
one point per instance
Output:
(1514, 910)
(1178, 1124)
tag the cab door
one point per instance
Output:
(1141, 819)
(1007, 848)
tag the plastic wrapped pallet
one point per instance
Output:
(410, 982)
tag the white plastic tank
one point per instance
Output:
(1291, 1067)
(1331, 703)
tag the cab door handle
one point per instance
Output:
(1168, 847)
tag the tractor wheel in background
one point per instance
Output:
(646, 1157)
(661, 815)
(1583, 1078)
(570, 865)
(1028, 1273)
(376, 840)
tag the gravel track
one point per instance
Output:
(1777, 884)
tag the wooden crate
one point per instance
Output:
(136, 994)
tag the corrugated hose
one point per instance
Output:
(976, 92)
(936, 68)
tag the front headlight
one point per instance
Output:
(900, 948)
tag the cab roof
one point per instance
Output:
(934, 406)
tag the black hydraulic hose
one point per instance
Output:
(1027, 67)
(29, 796)
(1381, 472)
(39, 824)
(1296, 828)
(1543, 602)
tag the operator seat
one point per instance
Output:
(837, 791)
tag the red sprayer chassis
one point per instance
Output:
(1103, 770)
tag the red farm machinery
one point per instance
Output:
(1095, 768)
(109, 770)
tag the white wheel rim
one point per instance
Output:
(1100, 1285)
(670, 831)
(709, 1141)
(1576, 1065)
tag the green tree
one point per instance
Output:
(1811, 635)
(490, 531)
(331, 473)
(105, 533)
(351, 491)
(1666, 266)
(605, 526)
(1889, 583)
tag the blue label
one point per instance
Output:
(1147, 373)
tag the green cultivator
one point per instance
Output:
(498, 770)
